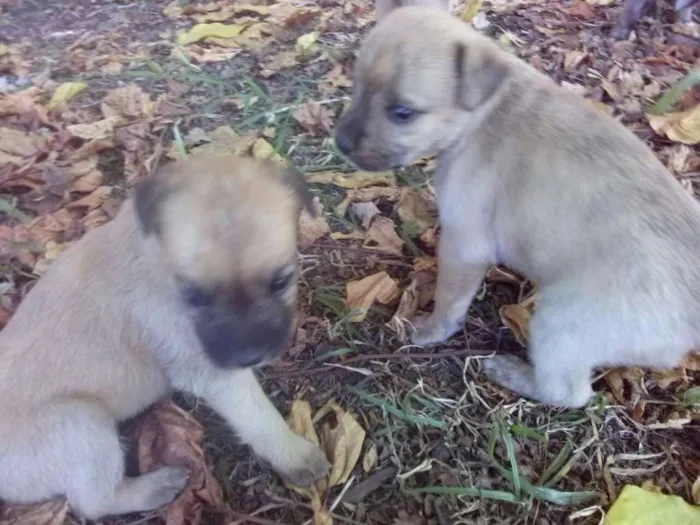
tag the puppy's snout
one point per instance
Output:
(348, 132)
(240, 339)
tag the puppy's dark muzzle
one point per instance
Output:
(234, 339)
(348, 132)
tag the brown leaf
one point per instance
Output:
(167, 435)
(382, 237)
(101, 129)
(418, 207)
(312, 228)
(517, 317)
(407, 309)
(618, 378)
(314, 118)
(129, 101)
(361, 294)
(581, 9)
(18, 146)
(52, 512)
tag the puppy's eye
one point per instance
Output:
(196, 297)
(281, 281)
(401, 114)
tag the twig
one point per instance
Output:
(385, 357)
(252, 519)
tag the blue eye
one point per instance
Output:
(195, 297)
(401, 114)
(281, 282)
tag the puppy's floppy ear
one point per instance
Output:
(479, 74)
(297, 180)
(147, 197)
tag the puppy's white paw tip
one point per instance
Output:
(429, 331)
(309, 464)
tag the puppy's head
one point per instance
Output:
(226, 231)
(422, 79)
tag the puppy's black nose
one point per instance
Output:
(348, 133)
(344, 142)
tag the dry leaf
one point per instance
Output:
(262, 149)
(312, 228)
(223, 140)
(517, 317)
(341, 437)
(470, 9)
(314, 118)
(695, 491)
(52, 512)
(306, 43)
(64, 93)
(616, 380)
(101, 129)
(681, 126)
(167, 435)
(129, 101)
(418, 207)
(407, 309)
(299, 420)
(370, 459)
(216, 29)
(382, 237)
(358, 179)
(361, 294)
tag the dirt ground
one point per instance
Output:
(450, 446)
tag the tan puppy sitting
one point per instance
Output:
(192, 283)
(534, 177)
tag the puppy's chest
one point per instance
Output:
(465, 199)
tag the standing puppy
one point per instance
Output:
(534, 177)
(192, 284)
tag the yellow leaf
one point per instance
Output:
(172, 10)
(64, 92)
(262, 149)
(407, 309)
(361, 294)
(217, 29)
(681, 126)
(305, 43)
(636, 506)
(299, 420)
(358, 179)
(471, 8)
(341, 438)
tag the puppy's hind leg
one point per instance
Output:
(560, 374)
(80, 450)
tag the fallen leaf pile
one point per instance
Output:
(341, 437)
(50, 163)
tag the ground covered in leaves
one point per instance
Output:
(93, 95)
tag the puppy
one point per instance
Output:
(534, 177)
(384, 7)
(191, 285)
(633, 10)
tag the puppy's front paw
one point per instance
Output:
(304, 463)
(430, 329)
(505, 370)
(165, 484)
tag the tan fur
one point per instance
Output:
(534, 177)
(106, 332)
